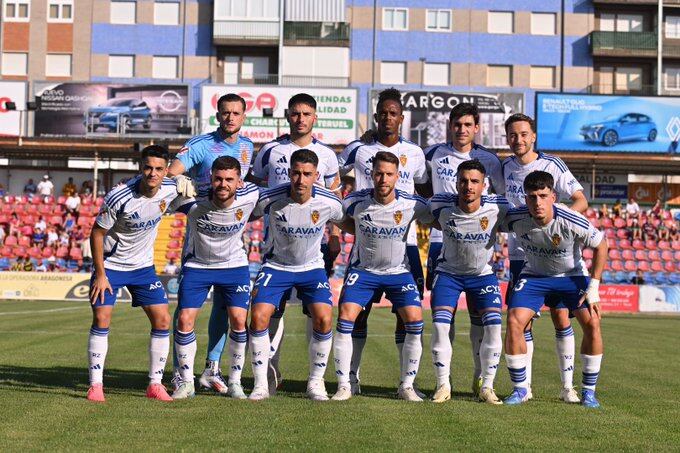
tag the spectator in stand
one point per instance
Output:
(72, 203)
(649, 232)
(2, 190)
(638, 279)
(86, 188)
(635, 229)
(38, 237)
(3, 233)
(348, 184)
(616, 209)
(171, 268)
(41, 223)
(45, 187)
(23, 265)
(604, 211)
(69, 222)
(663, 233)
(498, 265)
(77, 235)
(41, 266)
(30, 188)
(63, 238)
(657, 208)
(69, 188)
(674, 233)
(632, 208)
(52, 237)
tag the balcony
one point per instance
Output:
(635, 2)
(623, 44)
(671, 48)
(246, 32)
(633, 89)
(332, 34)
(287, 80)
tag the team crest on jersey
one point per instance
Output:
(244, 156)
(484, 222)
(403, 159)
(556, 239)
(397, 217)
(315, 216)
(162, 206)
(239, 214)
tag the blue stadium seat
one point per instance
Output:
(4, 263)
(648, 276)
(607, 277)
(60, 262)
(660, 278)
(674, 278)
(621, 277)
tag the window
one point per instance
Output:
(673, 27)
(166, 13)
(15, 64)
(621, 22)
(58, 65)
(438, 20)
(60, 11)
(16, 10)
(672, 78)
(246, 9)
(543, 23)
(395, 19)
(542, 77)
(499, 76)
(628, 78)
(123, 12)
(393, 72)
(500, 22)
(164, 68)
(121, 66)
(436, 74)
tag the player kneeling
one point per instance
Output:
(380, 218)
(469, 223)
(298, 212)
(551, 236)
(214, 257)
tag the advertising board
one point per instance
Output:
(9, 119)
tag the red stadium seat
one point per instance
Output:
(643, 266)
(22, 199)
(669, 223)
(47, 252)
(669, 266)
(6, 251)
(656, 223)
(62, 252)
(625, 244)
(45, 209)
(85, 201)
(607, 222)
(61, 199)
(675, 245)
(617, 265)
(177, 223)
(4, 218)
(667, 255)
(607, 266)
(85, 221)
(172, 255)
(11, 199)
(588, 253)
(348, 248)
(32, 210)
(26, 230)
(676, 255)
(610, 233)
(12, 240)
(174, 244)
(614, 254)
(641, 255)
(88, 210)
(664, 245)
(99, 202)
(49, 200)
(56, 220)
(36, 200)
(256, 236)
(20, 252)
(622, 234)
(628, 255)
(28, 219)
(7, 209)
(176, 234)
(24, 241)
(594, 222)
(180, 215)
(638, 244)
(590, 213)
(619, 223)
(630, 266)
(349, 238)
(657, 266)
(650, 244)
(76, 253)
(654, 255)
(254, 257)
(611, 243)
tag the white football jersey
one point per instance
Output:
(273, 162)
(381, 230)
(132, 223)
(554, 250)
(442, 165)
(214, 235)
(293, 240)
(515, 173)
(468, 238)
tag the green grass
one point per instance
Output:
(43, 380)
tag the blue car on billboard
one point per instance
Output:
(620, 128)
(131, 112)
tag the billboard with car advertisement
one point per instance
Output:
(601, 123)
(74, 109)
(10, 119)
(336, 110)
(426, 115)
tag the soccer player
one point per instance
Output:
(270, 169)
(214, 256)
(552, 236)
(443, 160)
(122, 249)
(358, 156)
(196, 158)
(380, 218)
(521, 137)
(298, 212)
(469, 222)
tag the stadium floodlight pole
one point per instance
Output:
(659, 48)
(562, 22)
(281, 13)
(95, 174)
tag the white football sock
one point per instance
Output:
(412, 350)
(185, 348)
(159, 347)
(319, 351)
(565, 346)
(442, 324)
(97, 347)
(517, 366)
(342, 351)
(259, 353)
(529, 337)
(490, 350)
(591, 370)
(237, 354)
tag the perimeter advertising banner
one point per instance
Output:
(336, 111)
(426, 115)
(598, 123)
(74, 109)
(9, 119)
(660, 299)
(49, 286)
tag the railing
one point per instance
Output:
(225, 30)
(287, 80)
(641, 90)
(326, 33)
(623, 43)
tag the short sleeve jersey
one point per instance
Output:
(273, 162)
(469, 238)
(381, 230)
(554, 250)
(132, 223)
(294, 234)
(199, 153)
(214, 235)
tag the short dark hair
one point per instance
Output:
(384, 156)
(156, 151)
(226, 163)
(518, 117)
(390, 94)
(231, 97)
(464, 109)
(304, 156)
(302, 98)
(472, 164)
(538, 180)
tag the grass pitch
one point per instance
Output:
(43, 380)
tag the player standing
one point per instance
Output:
(298, 212)
(196, 158)
(358, 156)
(552, 236)
(122, 250)
(521, 136)
(469, 222)
(443, 160)
(380, 218)
(214, 256)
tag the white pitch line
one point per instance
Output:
(127, 334)
(30, 312)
